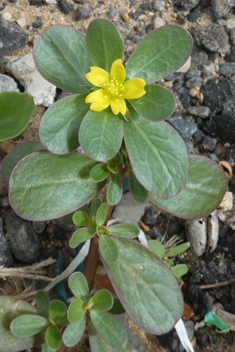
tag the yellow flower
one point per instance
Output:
(114, 88)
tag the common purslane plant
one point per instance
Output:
(116, 115)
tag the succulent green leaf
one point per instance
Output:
(63, 321)
(156, 247)
(104, 43)
(69, 217)
(160, 53)
(61, 57)
(103, 300)
(9, 311)
(156, 104)
(113, 169)
(116, 160)
(15, 155)
(214, 319)
(80, 218)
(14, 118)
(53, 337)
(169, 262)
(57, 309)
(117, 307)
(99, 172)
(114, 191)
(60, 124)
(179, 270)
(73, 333)
(43, 302)
(140, 273)
(97, 344)
(109, 328)
(204, 191)
(96, 203)
(41, 188)
(124, 230)
(46, 348)
(76, 310)
(108, 249)
(78, 285)
(28, 324)
(101, 134)
(177, 250)
(101, 214)
(158, 155)
(82, 235)
(139, 193)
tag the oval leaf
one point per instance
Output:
(57, 309)
(99, 172)
(82, 235)
(46, 348)
(41, 188)
(108, 328)
(104, 43)
(160, 53)
(61, 57)
(28, 324)
(156, 247)
(124, 230)
(156, 104)
(96, 203)
(139, 193)
(101, 134)
(102, 299)
(60, 124)
(101, 214)
(43, 302)
(80, 218)
(108, 248)
(204, 191)
(53, 337)
(14, 118)
(76, 310)
(114, 191)
(178, 249)
(160, 306)
(179, 270)
(78, 285)
(73, 333)
(15, 155)
(158, 155)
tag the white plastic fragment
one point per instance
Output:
(212, 231)
(142, 238)
(183, 336)
(196, 232)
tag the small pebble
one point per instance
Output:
(82, 13)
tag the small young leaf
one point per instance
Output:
(69, 217)
(156, 247)
(108, 249)
(80, 218)
(117, 307)
(103, 229)
(96, 203)
(63, 321)
(73, 333)
(78, 285)
(46, 348)
(28, 324)
(169, 262)
(76, 310)
(57, 309)
(178, 249)
(139, 193)
(43, 302)
(53, 337)
(113, 169)
(179, 270)
(108, 328)
(103, 300)
(214, 319)
(116, 160)
(101, 214)
(99, 172)
(114, 191)
(124, 230)
(82, 235)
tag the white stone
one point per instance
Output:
(230, 23)
(185, 66)
(24, 70)
(8, 84)
(158, 22)
(196, 232)
(6, 16)
(15, 15)
(212, 231)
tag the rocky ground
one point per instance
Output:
(204, 116)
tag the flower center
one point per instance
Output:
(114, 89)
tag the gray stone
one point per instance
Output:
(176, 76)
(64, 6)
(5, 253)
(201, 111)
(231, 56)
(210, 70)
(212, 37)
(22, 240)
(194, 73)
(198, 57)
(38, 22)
(8, 84)
(184, 97)
(111, 13)
(209, 143)
(129, 210)
(185, 128)
(221, 127)
(82, 13)
(188, 5)
(159, 5)
(12, 37)
(197, 137)
(24, 70)
(194, 82)
(222, 8)
(227, 69)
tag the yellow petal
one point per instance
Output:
(97, 76)
(99, 100)
(118, 71)
(118, 105)
(98, 107)
(134, 88)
